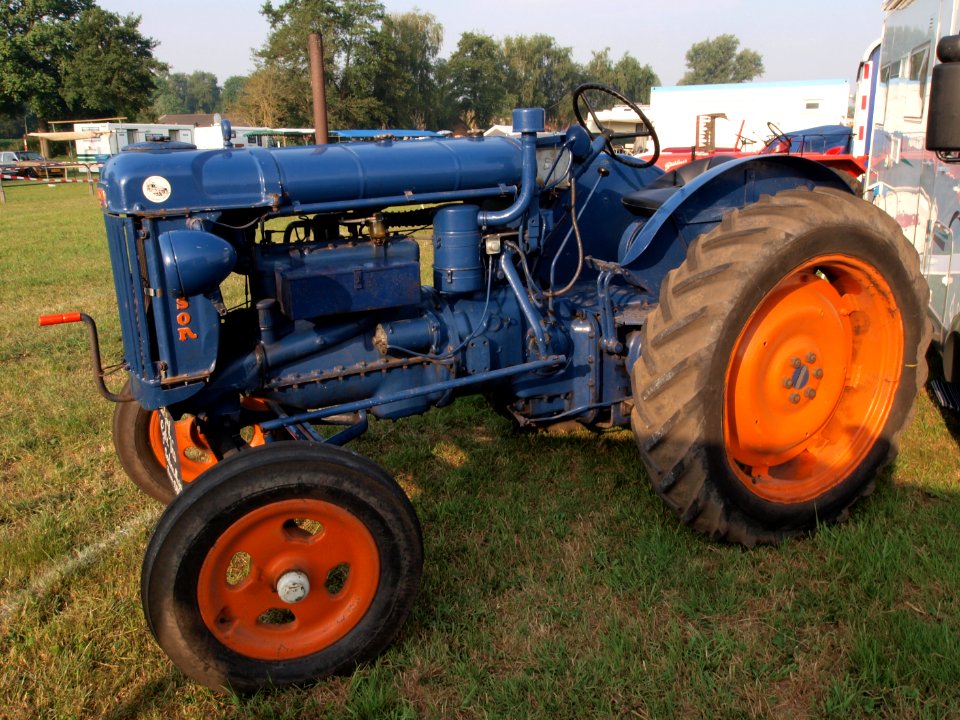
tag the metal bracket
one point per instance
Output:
(608, 327)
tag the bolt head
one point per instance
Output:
(818, 373)
(811, 393)
(796, 362)
(795, 398)
(811, 357)
(788, 382)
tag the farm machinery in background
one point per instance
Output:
(829, 145)
(760, 328)
(698, 121)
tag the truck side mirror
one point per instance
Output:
(943, 115)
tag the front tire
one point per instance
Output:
(287, 563)
(781, 366)
(139, 445)
(137, 440)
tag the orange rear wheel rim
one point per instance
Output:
(812, 379)
(237, 590)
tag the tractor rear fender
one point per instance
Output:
(648, 250)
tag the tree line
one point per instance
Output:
(71, 58)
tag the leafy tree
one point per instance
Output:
(203, 93)
(70, 57)
(349, 29)
(171, 94)
(540, 73)
(181, 93)
(231, 91)
(408, 47)
(716, 60)
(473, 79)
(626, 75)
(261, 101)
(13, 127)
(111, 69)
(33, 38)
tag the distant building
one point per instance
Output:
(200, 119)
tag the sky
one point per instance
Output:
(808, 40)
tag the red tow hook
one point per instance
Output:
(73, 317)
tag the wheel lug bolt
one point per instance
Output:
(795, 398)
(811, 393)
(811, 358)
(818, 373)
(796, 362)
(788, 382)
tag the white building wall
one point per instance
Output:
(789, 105)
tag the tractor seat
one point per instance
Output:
(646, 201)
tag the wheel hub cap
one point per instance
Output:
(779, 401)
(293, 586)
(812, 379)
(254, 602)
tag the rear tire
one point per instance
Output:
(781, 366)
(329, 522)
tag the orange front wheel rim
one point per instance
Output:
(193, 451)
(812, 379)
(288, 579)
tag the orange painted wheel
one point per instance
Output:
(781, 365)
(193, 450)
(812, 379)
(286, 563)
(136, 437)
(288, 579)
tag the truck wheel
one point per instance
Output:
(287, 563)
(136, 438)
(781, 366)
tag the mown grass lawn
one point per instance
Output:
(555, 585)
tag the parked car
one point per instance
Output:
(23, 162)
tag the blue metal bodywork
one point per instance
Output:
(542, 275)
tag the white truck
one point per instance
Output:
(210, 137)
(111, 137)
(914, 166)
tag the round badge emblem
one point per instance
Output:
(156, 189)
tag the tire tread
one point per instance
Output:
(672, 380)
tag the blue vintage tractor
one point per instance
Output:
(760, 328)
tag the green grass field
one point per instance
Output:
(555, 585)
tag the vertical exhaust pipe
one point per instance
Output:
(319, 87)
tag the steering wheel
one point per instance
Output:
(778, 134)
(609, 135)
